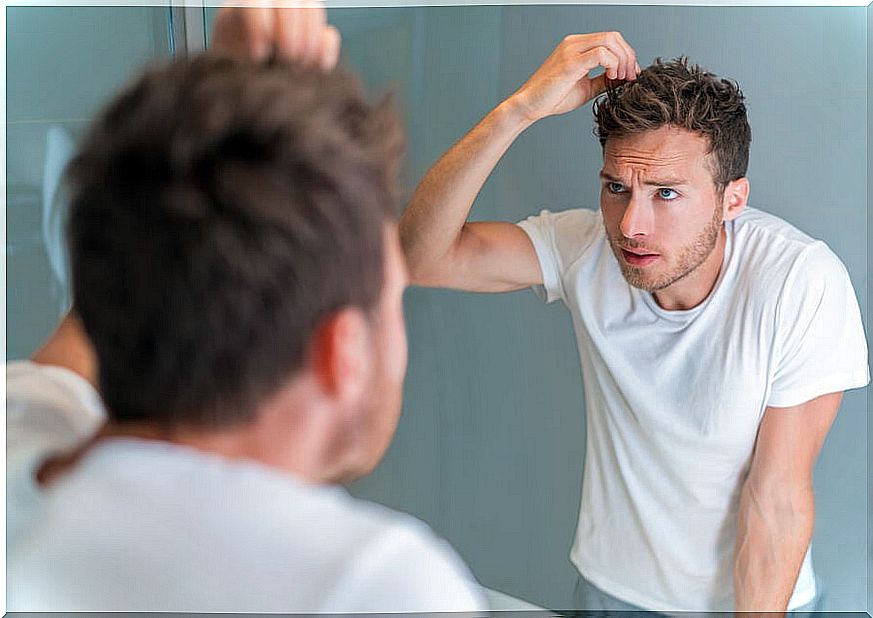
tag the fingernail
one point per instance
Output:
(260, 50)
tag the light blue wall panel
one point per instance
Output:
(62, 64)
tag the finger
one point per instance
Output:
(632, 67)
(597, 85)
(241, 32)
(224, 36)
(600, 56)
(304, 32)
(287, 27)
(317, 21)
(256, 22)
(614, 43)
(617, 45)
(330, 48)
(297, 30)
(583, 43)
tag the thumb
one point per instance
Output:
(597, 85)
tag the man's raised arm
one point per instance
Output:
(442, 248)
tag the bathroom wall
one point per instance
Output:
(490, 448)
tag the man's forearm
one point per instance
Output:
(773, 533)
(435, 217)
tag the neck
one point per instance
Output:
(293, 432)
(697, 285)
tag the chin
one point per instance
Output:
(354, 473)
(635, 279)
(370, 464)
(371, 456)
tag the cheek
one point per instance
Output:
(611, 217)
(396, 352)
(402, 349)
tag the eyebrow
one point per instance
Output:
(653, 182)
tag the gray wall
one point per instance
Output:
(490, 448)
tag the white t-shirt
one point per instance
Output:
(674, 398)
(142, 525)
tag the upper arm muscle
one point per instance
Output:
(790, 439)
(489, 256)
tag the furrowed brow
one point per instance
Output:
(652, 182)
(664, 182)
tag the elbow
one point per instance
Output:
(427, 277)
(783, 504)
(417, 262)
(421, 269)
(426, 267)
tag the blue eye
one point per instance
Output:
(667, 194)
(615, 187)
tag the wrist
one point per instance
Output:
(514, 114)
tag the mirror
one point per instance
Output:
(491, 446)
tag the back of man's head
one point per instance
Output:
(220, 210)
(678, 94)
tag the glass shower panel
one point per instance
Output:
(63, 63)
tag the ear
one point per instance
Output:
(341, 355)
(736, 195)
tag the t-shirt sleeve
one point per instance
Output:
(559, 238)
(820, 345)
(408, 569)
(48, 410)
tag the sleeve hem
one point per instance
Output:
(56, 388)
(551, 290)
(832, 384)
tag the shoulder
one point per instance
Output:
(402, 565)
(370, 557)
(48, 409)
(296, 546)
(577, 219)
(34, 386)
(774, 253)
(762, 233)
(566, 233)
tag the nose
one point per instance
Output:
(637, 218)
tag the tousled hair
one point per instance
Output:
(220, 210)
(674, 93)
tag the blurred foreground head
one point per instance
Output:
(232, 233)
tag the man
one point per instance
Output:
(237, 282)
(715, 340)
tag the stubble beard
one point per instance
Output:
(691, 256)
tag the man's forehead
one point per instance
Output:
(667, 147)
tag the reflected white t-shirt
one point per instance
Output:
(674, 398)
(140, 525)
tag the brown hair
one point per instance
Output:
(674, 93)
(220, 210)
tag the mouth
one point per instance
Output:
(638, 257)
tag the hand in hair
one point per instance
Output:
(562, 83)
(295, 30)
